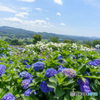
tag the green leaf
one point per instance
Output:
(94, 77)
(79, 97)
(36, 80)
(68, 83)
(52, 85)
(59, 92)
(53, 79)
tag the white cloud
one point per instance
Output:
(47, 18)
(38, 9)
(22, 14)
(4, 8)
(62, 24)
(14, 19)
(58, 14)
(58, 2)
(27, 0)
(25, 8)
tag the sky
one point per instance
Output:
(67, 17)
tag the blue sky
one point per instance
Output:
(68, 17)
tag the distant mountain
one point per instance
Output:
(11, 32)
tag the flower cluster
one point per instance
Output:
(45, 88)
(2, 69)
(25, 75)
(26, 83)
(95, 62)
(27, 92)
(60, 69)
(84, 86)
(74, 57)
(41, 59)
(50, 72)
(69, 72)
(86, 73)
(8, 96)
(27, 66)
(60, 58)
(10, 62)
(38, 66)
(25, 62)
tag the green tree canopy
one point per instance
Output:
(37, 37)
(68, 41)
(95, 42)
(54, 39)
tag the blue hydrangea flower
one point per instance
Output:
(25, 62)
(2, 69)
(8, 96)
(44, 88)
(86, 73)
(38, 66)
(74, 57)
(27, 92)
(25, 75)
(27, 66)
(10, 62)
(60, 66)
(41, 59)
(69, 72)
(61, 69)
(26, 83)
(85, 88)
(95, 62)
(50, 72)
(60, 58)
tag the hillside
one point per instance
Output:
(10, 32)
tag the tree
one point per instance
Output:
(68, 41)
(95, 42)
(14, 42)
(54, 39)
(37, 37)
(88, 43)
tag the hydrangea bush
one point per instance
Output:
(49, 72)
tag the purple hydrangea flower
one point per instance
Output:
(25, 75)
(69, 72)
(27, 92)
(26, 83)
(2, 69)
(85, 88)
(25, 62)
(35, 93)
(27, 66)
(38, 66)
(20, 49)
(50, 72)
(81, 82)
(44, 88)
(61, 69)
(8, 96)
